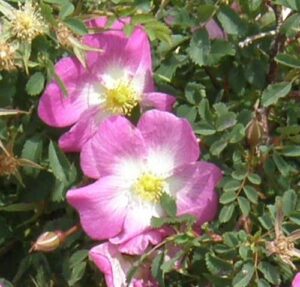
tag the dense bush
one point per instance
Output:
(233, 67)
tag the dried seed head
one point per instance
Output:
(7, 57)
(63, 34)
(8, 165)
(27, 22)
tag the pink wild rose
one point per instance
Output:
(116, 266)
(296, 281)
(134, 167)
(114, 82)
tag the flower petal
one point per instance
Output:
(158, 101)
(194, 188)
(137, 221)
(82, 131)
(57, 109)
(101, 22)
(114, 266)
(117, 147)
(296, 280)
(170, 141)
(138, 244)
(101, 206)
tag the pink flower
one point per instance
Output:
(296, 281)
(114, 82)
(116, 266)
(134, 167)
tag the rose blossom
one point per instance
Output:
(114, 82)
(116, 266)
(134, 167)
(296, 281)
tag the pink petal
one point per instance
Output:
(170, 140)
(116, 145)
(82, 131)
(114, 266)
(137, 221)
(195, 185)
(138, 244)
(159, 101)
(101, 206)
(57, 109)
(296, 281)
(214, 30)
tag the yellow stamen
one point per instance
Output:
(27, 22)
(7, 57)
(121, 99)
(149, 188)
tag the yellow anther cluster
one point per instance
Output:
(7, 56)
(27, 22)
(121, 99)
(149, 188)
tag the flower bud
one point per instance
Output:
(254, 133)
(48, 241)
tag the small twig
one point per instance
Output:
(249, 40)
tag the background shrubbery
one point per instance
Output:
(239, 90)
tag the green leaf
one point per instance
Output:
(244, 205)
(228, 197)
(254, 178)
(230, 21)
(66, 10)
(289, 202)
(58, 162)
(251, 193)
(35, 85)
(288, 60)
(243, 278)
(218, 146)
(205, 12)
(168, 204)
(156, 270)
(77, 26)
(226, 213)
(263, 283)
(291, 151)
(271, 273)
(217, 265)
(237, 133)
(232, 185)
(225, 121)
(220, 49)
(199, 47)
(281, 164)
(274, 92)
(204, 128)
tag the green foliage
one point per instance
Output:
(239, 91)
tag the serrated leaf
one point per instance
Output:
(225, 121)
(274, 92)
(291, 151)
(217, 265)
(226, 213)
(289, 202)
(288, 60)
(156, 270)
(244, 205)
(228, 197)
(254, 178)
(251, 193)
(218, 146)
(271, 273)
(66, 10)
(243, 278)
(35, 84)
(199, 47)
(232, 185)
(58, 162)
(168, 204)
(230, 21)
